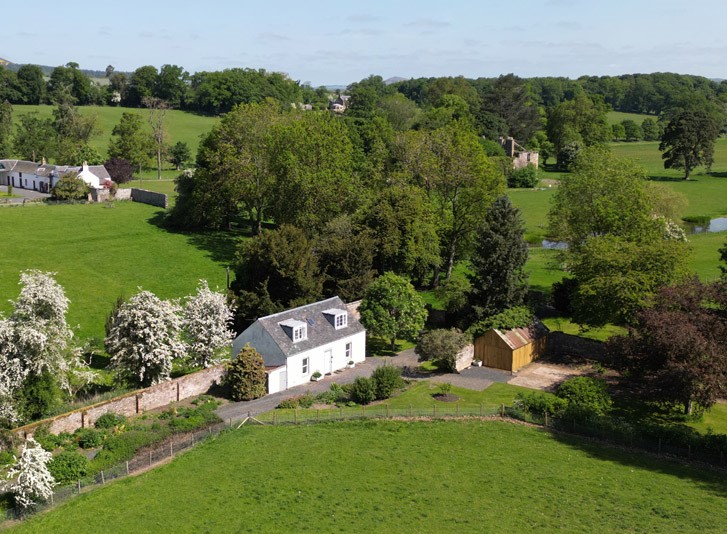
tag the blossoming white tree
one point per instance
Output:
(36, 339)
(33, 480)
(144, 338)
(206, 323)
(12, 372)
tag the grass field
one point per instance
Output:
(614, 117)
(102, 251)
(384, 476)
(181, 125)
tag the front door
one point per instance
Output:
(328, 360)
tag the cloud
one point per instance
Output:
(362, 18)
(366, 32)
(274, 37)
(568, 25)
(428, 24)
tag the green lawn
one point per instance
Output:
(385, 476)
(614, 117)
(565, 324)
(714, 419)
(103, 250)
(180, 125)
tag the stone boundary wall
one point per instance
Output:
(149, 197)
(123, 194)
(566, 345)
(133, 403)
(465, 357)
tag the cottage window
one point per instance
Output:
(341, 321)
(349, 351)
(299, 333)
(305, 366)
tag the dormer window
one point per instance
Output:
(299, 333)
(296, 330)
(337, 317)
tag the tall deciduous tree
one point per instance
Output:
(179, 154)
(206, 324)
(403, 223)
(129, 140)
(120, 170)
(31, 84)
(603, 195)
(510, 99)
(391, 309)
(498, 280)
(233, 166)
(6, 128)
(34, 137)
(688, 140)
(275, 270)
(312, 162)
(677, 349)
(144, 338)
(157, 112)
(460, 181)
(580, 122)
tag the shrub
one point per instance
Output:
(586, 394)
(88, 438)
(245, 375)
(363, 390)
(336, 394)
(445, 388)
(288, 404)
(110, 420)
(525, 177)
(441, 346)
(68, 466)
(48, 441)
(70, 187)
(306, 400)
(387, 379)
(187, 419)
(123, 446)
(540, 403)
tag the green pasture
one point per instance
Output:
(395, 476)
(101, 251)
(180, 125)
(615, 117)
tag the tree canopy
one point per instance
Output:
(688, 140)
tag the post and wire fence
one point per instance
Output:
(709, 450)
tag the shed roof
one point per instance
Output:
(519, 337)
(321, 330)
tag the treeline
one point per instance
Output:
(203, 92)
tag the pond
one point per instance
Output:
(715, 225)
(554, 245)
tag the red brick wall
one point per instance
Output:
(132, 403)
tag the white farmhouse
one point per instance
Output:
(321, 337)
(42, 177)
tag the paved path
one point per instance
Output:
(237, 411)
(22, 195)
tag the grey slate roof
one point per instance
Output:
(320, 326)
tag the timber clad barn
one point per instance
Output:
(512, 349)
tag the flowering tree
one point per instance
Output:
(36, 340)
(33, 482)
(206, 325)
(12, 373)
(144, 338)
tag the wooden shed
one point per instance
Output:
(512, 349)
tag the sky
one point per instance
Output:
(336, 43)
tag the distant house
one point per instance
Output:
(340, 104)
(511, 349)
(321, 337)
(42, 177)
(520, 156)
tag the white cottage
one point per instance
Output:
(294, 344)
